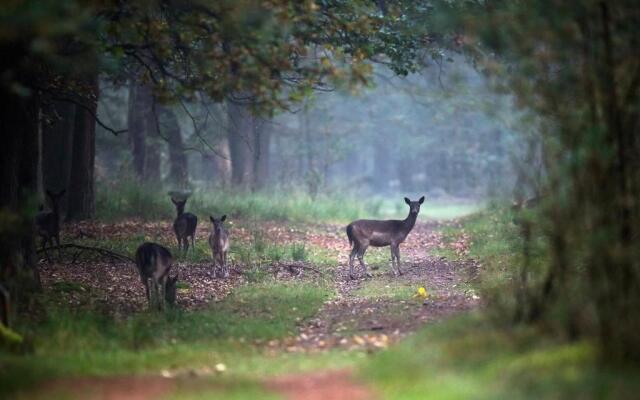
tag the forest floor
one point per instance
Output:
(360, 316)
(289, 324)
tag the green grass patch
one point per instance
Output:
(468, 357)
(83, 343)
(387, 289)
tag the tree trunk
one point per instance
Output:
(240, 137)
(178, 168)
(262, 140)
(57, 141)
(139, 101)
(81, 184)
(18, 180)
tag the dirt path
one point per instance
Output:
(358, 320)
(375, 312)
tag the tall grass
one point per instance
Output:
(127, 198)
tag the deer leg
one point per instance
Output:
(396, 250)
(225, 267)
(163, 292)
(393, 259)
(354, 251)
(57, 237)
(44, 247)
(363, 249)
(147, 291)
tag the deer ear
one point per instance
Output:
(173, 201)
(223, 218)
(406, 200)
(211, 218)
(421, 200)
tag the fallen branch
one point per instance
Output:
(291, 265)
(81, 248)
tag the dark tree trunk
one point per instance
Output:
(18, 180)
(152, 167)
(57, 142)
(262, 140)
(81, 184)
(240, 137)
(178, 168)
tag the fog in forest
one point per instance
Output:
(442, 132)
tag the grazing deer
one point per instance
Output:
(219, 243)
(154, 263)
(184, 225)
(365, 232)
(48, 222)
(171, 290)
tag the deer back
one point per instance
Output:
(153, 261)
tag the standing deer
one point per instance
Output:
(48, 222)
(219, 243)
(184, 225)
(154, 263)
(365, 232)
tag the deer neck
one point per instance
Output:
(409, 222)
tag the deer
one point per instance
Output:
(154, 263)
(219, 243)
(184, 225)
(170, 290)
(380, 233)
(48, 221)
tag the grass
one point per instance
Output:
(387, 289)
(66, 343)
(127, 199)
(468, 357)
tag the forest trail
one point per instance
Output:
(366, 314)
(363, 314)
(372, 313)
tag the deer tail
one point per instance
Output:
(350, 234)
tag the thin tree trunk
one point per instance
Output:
(240, 137)
(81, 183)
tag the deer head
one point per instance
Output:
(414, 206)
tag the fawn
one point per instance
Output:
(219, 243)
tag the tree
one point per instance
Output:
(576, 66)
(81, 203)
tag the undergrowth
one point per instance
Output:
(127, 199)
